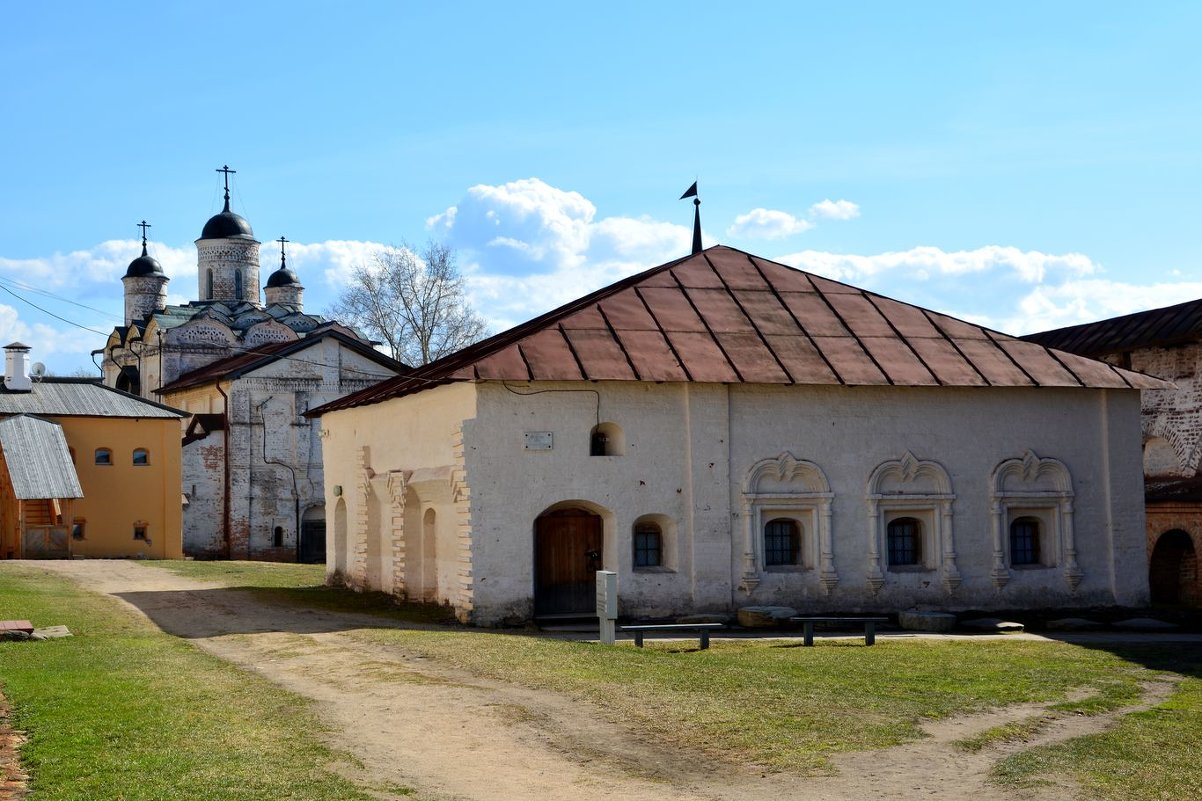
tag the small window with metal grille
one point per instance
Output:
(904, 540)
(648, 545)
(782, 542)
(1024, 542)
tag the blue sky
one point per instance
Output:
(1026, 166)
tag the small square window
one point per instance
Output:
(782, 542)
(141, 457)
(648, 545)
(104, 456)
(140, 532)
(77, 529)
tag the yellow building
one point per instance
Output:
(86, 470)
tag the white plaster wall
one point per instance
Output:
(689, 448)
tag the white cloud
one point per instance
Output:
(767, 224)
(1073, 302)
(921, 263)
(835, 210)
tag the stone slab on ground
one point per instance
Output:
(992, 625)
(939, 622)
(765, 617)
(1073, 624)
(1144, 624)
(50, 633)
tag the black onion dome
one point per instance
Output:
(144, 265)
(282, 277)
(226, 225)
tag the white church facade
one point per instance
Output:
(725, 431)
(246, 371)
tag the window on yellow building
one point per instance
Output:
(141, 456)
(104, 456)
(141, 531)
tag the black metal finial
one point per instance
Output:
(144, 225)
(692, 192)
(225, 168)
(282, 242)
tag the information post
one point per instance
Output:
(607, 605)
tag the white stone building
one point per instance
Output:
(724, 431)
(247, 372)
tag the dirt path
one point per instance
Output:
(450, 735)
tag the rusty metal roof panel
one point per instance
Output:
(506, 363)
(1094, 373)
(38, 459)
(766, 310)
(736, 270)
(603, 360)
(848, 358)
(910, 321)
(626, 312)
(1039, 364)
(726, 316)
(702, 356)
(585, 319)
(697, 274)
(652, 357)
(814, 314)
(549, 357)
(898, 362)
(803, 361)
(946, 362)
(719, 310)
(672, 309)
(858, 314)
(992, 362)
(751, 357)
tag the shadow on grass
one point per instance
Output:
(300, 610)
(1184, 658)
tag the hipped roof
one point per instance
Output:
(239, 364)
(38, 459)
(1171, 325)
(726, 316)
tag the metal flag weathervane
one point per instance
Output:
(692, 192)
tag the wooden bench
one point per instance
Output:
(703, 629)
(807, 631)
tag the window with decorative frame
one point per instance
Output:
(910, 522)
(786, 508)
(1032, 503)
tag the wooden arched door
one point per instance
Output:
(567, 556)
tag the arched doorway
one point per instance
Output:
(568, 544)
(1173, 569)
(128, 380)
(313, 535)
(340, 538)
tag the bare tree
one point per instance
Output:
(413, 302)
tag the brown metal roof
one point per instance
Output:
(242, 363)
(726, 316)
(1172, 325)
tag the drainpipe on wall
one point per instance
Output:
(225, 501)
(291, 469)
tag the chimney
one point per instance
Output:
(16, 368)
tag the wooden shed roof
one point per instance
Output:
(726, 316)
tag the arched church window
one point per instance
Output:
(209, 284)
(237, 284)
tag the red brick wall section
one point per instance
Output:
(1186, 517)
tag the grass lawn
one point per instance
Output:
(783, 705)
(121, 711)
